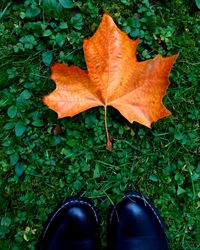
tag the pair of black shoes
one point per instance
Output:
(133, 224)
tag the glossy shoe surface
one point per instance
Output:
(134, 224)
(73, 226)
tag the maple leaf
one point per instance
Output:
(114, 78)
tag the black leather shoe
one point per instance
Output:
(135, 224)
(73, 226)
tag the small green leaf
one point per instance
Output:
(47, 32)
(126, 2)
(32, 11)
(19, 129)
(96, 173)
(90, 120)
(71, 142)
(26, 94)
(68, 4)
(133, 22)
(195, 176)
(55, 140)
(14, 159)
(153, 178)
(60, 39)
(28, 41)
(12, 72)
(52, 7)
(9, 125)
(12, 111)
(19, 169)
(180, 190)
(6, 221)
(63, 25)
(38, 123)
(47, 58)
(77, 21)
(74, 38)
(62, 183)
(197, 3)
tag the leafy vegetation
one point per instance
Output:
(45, 160)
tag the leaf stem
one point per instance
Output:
(108, 143)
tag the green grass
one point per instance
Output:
(41, 167)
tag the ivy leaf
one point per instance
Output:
(114, 78)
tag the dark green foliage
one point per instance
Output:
(44, 160)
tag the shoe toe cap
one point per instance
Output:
(135, 222)
(73, 224)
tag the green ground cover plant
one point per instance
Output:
(44, 160)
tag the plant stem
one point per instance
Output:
(108, 143)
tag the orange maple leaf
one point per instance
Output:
(114, 78)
